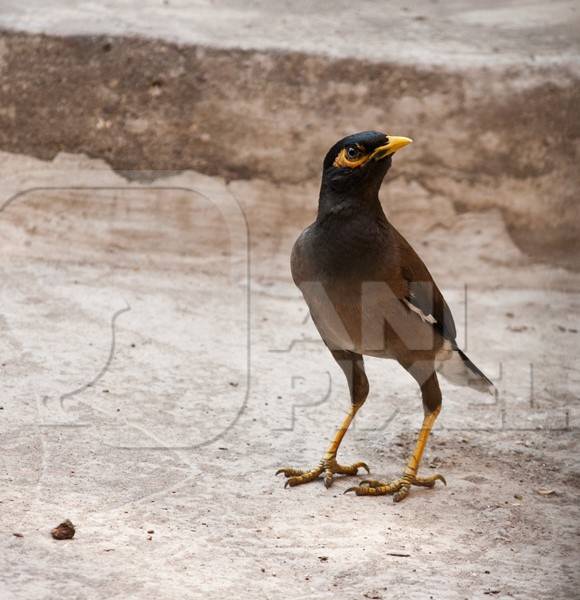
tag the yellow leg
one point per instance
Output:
(341, 431)
(400, 487)
(415, 460)
(328, 465)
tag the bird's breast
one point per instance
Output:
(353, 288)
(352, 317)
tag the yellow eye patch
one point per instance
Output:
(343, 160)
(356, 155)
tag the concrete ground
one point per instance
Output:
(454, 33)
(158, 365)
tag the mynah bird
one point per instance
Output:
(370, 294)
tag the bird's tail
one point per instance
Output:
(459, 370)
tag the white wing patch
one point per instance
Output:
(426, 318)
(447, 350)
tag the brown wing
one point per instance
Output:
(422, 291)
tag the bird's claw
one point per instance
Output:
(328, 467)
(399, 487)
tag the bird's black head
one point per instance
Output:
(355, 166)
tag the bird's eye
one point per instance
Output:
(352, 152)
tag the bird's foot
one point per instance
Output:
(398, 487)
(327, 468)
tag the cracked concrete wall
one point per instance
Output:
(505, 138)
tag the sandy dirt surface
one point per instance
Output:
(145, 400)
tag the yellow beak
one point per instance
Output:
(395, 143)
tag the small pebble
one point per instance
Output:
(65, 531)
